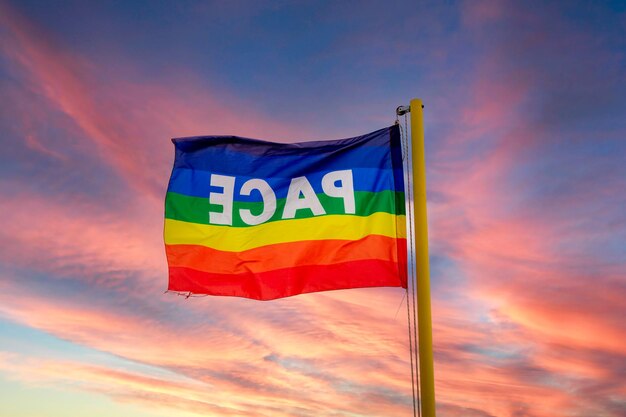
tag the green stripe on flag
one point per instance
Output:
(196, 209)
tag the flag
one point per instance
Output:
(264, 220)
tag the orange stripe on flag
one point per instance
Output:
(286, 255)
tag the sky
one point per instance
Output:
(525, 127)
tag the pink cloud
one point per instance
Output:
(550, 313)
(129, 120)
(69, 236)
(299, 362)
(192, 396)
(32, 142)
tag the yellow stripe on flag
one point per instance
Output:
(236, 239)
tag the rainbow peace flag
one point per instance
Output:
(263, 220)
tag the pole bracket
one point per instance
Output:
(402, 110)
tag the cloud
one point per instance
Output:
(128, 119)
(71, 237)
(238, 359)
(548, 302)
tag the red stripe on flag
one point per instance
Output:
(290, 281)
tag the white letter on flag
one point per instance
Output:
(269, 201)
(301, 185)
(224, 199)
(345, 190)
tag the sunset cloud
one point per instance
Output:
(124, 117)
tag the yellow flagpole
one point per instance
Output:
(424, 321)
